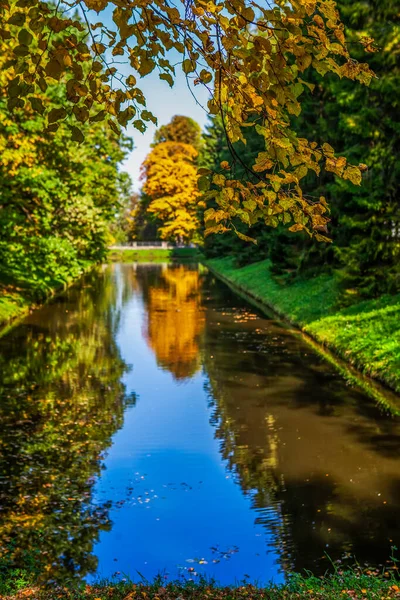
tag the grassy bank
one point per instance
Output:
(348, 584)
(151, 255)
(12, 305)
(367, 335)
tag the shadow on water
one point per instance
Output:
(315, 463)
(301, 440)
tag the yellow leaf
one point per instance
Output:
(219, 180)
(263, 162)
(353, 174)
(296, 227)
(246, 238)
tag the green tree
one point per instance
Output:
(363, 124)
(368, 218)
(181, 129)
(57, 198)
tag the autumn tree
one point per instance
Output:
(181, 129)
(254, 59)
(170, 185)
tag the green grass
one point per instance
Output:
(367, 334)
(12, 306)
(353, 583)
(342, 580)
(150, 255)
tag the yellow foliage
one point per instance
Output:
(171, 183)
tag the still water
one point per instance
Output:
(152, 421)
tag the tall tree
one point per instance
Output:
(362, 123)
(56, 198)
(170, 185)
(368, 231)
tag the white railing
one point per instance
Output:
(149, 245)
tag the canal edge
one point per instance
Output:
(8, 324)
(385, 396)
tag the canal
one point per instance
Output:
(153, 422)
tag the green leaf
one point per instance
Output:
(113, 126)
(188, 66)
(21, 50)
(98, 117)
(17, 19)
(25, 37)
(146, 115)
(37, 105)
(126, 115)
(205, 76)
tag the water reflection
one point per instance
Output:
(61, 400)
(263, 462)
(300, 441)
(175, 318)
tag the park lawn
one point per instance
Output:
(154, 255)
(367, 334)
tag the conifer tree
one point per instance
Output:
(364, 123)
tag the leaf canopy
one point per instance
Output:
(252, 57)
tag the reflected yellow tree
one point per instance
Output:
(61, 401)
(175, 319)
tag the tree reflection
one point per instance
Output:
(314, 455)
(175, 318)
(61, 401)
